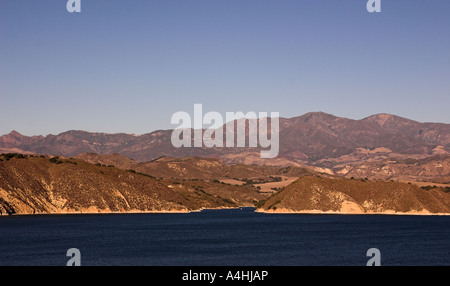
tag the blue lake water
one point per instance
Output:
(225, 238)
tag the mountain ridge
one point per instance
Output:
(311, 139)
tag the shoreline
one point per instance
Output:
(255, 210)
(186, 211)
(95, 213)
(319, 212)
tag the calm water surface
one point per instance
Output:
(224, 237)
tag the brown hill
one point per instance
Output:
(36, 184)
(207, 169)
(215, 194)
(324, 195)
(115, 160)
(214, 169)
(432, 169)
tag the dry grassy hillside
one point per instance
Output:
(37, 184)
(33, 184)
(314, 194)
(432, 169)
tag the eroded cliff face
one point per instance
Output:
(324, 195)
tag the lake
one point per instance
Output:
(238, 237)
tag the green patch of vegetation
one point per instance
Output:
(107, 166)
(276, 179)
(272, 206)
(146, 175)
(198, 188)
(138, 173)
(55, 160)
(260, 204)
(427, 188)
(271, 179)
(9, 156)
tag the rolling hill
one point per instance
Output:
(39, 184)
(344, 196)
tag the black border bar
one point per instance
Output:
(225, 275)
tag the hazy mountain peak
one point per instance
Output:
(315, 116)
(320, 114)
(15, 134)
(384, 118)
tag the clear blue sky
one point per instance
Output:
(127, 66)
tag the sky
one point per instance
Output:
(128, 66)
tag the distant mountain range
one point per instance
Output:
(316, 139)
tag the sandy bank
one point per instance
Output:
(387, 212)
